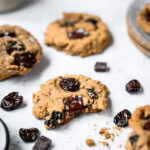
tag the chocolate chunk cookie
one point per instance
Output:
(140, 120)
(144, 18)
(78, 34)
(19, 51)
(64, 98)
(138, 142)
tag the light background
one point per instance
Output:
(124, 59)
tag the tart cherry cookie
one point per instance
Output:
(138, 142)
(144, 18)
(19, 51)
(63, 98)
(140, 120)
(78, 34)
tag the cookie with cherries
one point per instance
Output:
(63, 98)
(19, 51)
(78, 34)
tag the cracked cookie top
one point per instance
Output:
(19, 51)
(78, 34)
(63, 98)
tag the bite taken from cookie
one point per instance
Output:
(63, 98)
(19, 51)
(78, 34)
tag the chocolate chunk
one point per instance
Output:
(29, 135)
(26, 59)
(147, 15)
(15, 45)
(11, 101)
(42, 143)
(101, 67)
(92, 21)
(121, 119)
(73, 105)
(133, 139)
(69, 84)
(147, 126)
(7, 35)
(133, 86)
(53, 122)
(78, 34)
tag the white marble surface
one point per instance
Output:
(124, 59)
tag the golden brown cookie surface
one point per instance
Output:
(19, 51)
(78, 34)
(140, 120)
(63, 98)
(144, 18)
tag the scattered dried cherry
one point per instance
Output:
(29, 135)
(133, 86)
(133, 139)
(78, 34)
(69, 84)
(26, 59)
(11, 101)
(147, 126)
(15, 45)
(53, 122)
(121, 119)
(7, 35)
(74, 105)
(42, 143)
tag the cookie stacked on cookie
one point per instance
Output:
(78, 34)
(61, 99)
(139, 139)
(139, 26)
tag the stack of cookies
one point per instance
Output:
(138, 21)
(139, 139)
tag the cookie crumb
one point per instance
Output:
(117, 128)
(104, 143)
(94, 125)
(90, 142)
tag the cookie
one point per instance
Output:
(63, 98)
(140, 120)
(78, 34)
(138, 142)
(19, 51)
(144, 18)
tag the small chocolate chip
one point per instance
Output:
(92, 21)
(26, 59)
(7, 35)
(121, 119)
(147, 16)
(100, 67)
(42, 143)
(133, 139)
(15, 45)
(78, 34)
(133, 86)
(147, 126)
